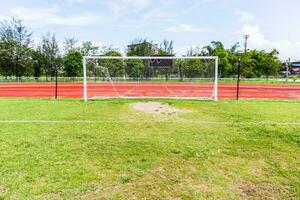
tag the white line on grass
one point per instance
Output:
(45, 121)
(159, 121)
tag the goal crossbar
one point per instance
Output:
(149, 57)
(86, 58)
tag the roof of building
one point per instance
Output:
(296, 64)
(138, 44)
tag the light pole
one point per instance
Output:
(56, 83)
(238, 80)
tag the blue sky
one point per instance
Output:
(270, 23)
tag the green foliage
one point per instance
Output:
(226, 66)
(51, 53)
(89, 49)
(39, 62)
(73, 64)
(18, 58)
(192, 68)
(70, 45)
(260, 63)
(115, 67)
(254, 63)
(135, 68)
(15, 40)
(166, 48)
(248, 65)
(270, 63)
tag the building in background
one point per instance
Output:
(295, 68)
(141, 48)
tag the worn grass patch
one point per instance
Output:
(108, 150)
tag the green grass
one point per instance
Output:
(120, 153)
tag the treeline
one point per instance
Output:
(19, 57)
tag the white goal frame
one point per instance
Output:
(86, 58)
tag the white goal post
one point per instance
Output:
(214, 59)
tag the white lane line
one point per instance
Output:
(132, 89)
(170, 91)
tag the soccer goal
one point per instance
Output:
(193, 77)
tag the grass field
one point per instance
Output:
(67, 149)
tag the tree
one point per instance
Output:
(50, 50)
(15, 43)
(195, 68)
(116, 68)
(6, 59)
(216, 48)
(18, 58)
(38, 62)
(268, 63)
(192, 68)
(135, 68)
(70, 45)
(73, 64)
(88, 49)
(256, 63)
(248, 65)
(166, 48)
(196, 52)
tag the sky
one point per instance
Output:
(190, 23)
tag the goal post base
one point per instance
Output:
(167, 98)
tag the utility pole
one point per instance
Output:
(246, 37)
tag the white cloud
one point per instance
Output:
(135, 3)
(4, 17)
(259, 41)
(51, 15)
(203, 2)
(184, 28)
(157, 16)
(77, 1)
(244, 16)
(121, 7)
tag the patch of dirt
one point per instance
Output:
(54, 196)
(247, 189)
(157, 108)
(2, 191)
(265, 191)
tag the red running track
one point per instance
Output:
(189, 90)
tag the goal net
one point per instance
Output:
(150, 77)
